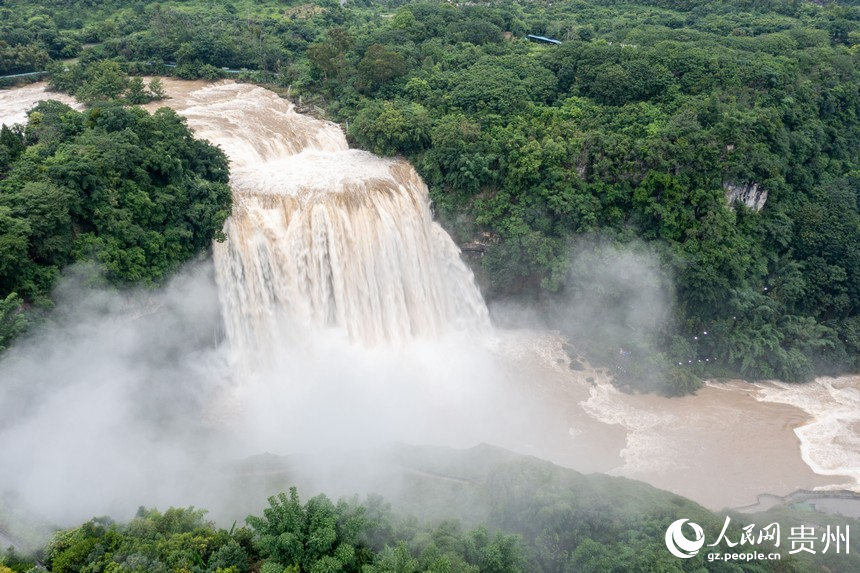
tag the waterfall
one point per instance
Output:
(322, 236)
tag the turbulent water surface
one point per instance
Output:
(15, 102)
(354, 315)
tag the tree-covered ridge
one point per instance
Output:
(453, 511)
(633, 132)
(133, 191)
(554, 532)
(317, 536)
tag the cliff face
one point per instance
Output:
(750, 194)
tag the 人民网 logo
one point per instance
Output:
(678, 543)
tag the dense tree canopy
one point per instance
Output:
(539, 529)
(507, 514)
(133, 191)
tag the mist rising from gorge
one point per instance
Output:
(127, 399)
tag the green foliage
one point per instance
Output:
(378, 66)
(322, 536)
(14, 562)
(131, 190)
(105, 80)
(177, 540)
(156, 89)
(545, 519)
(392, 127)
(136, 91)
(317, 536)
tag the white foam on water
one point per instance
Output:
(829, 442)
(646, 450)
(254, 125)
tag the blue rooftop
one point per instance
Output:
(543, 39)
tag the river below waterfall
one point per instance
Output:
(349, 314)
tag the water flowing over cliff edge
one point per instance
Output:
(324, 236)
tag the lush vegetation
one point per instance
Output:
(545, 519)
(133, 191)
(103, 81)
(629, 133)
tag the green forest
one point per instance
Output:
(133, 191)
(720, 138)
(545, 519)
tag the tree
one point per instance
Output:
(488, 87)
(156, 89)
(103, 81)
(137, 93)
(393, 127)
(14, 262)
(282, 528)
(12, 319)
(11, 145)
(379, 66)
(330, 56)
(131, 190)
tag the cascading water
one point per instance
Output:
(324, 236)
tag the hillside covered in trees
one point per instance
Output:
(132, 191)
(721, 139)
(503, 513)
